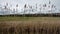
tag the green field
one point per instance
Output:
(29, 18)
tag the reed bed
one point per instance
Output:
(29, 27)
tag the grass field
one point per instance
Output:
(29, 25)
(29, 18)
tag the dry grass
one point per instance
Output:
(36, 25)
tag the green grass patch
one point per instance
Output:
(29, 18)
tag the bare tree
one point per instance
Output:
(25, 6)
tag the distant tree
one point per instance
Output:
(14, 12)
(5, 7)
(49, 2)
(25, 6)
(44, 5)
(17, 5)
(36, 6)
(7, 4)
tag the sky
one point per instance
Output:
(31, 2)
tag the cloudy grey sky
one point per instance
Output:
(31, 2)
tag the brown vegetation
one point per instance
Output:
(30, 27)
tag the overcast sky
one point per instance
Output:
(31, 2)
